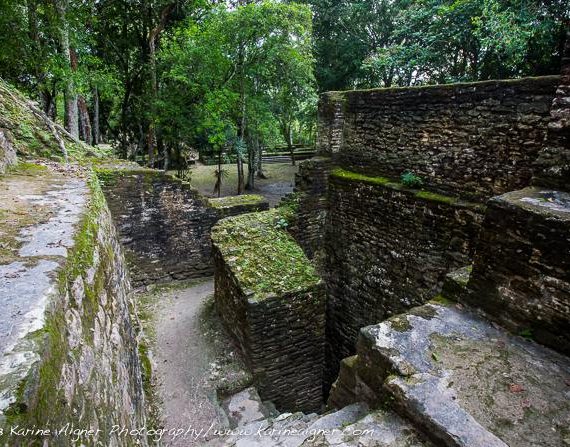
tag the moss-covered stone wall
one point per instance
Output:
(388, 248)
(477, 139)
(272, 302)
(87, 375)
(164, 224)
(7, 151)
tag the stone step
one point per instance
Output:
(464, 381)
(353, 425)
(378, 428)
(244, 408)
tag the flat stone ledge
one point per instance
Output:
(467, 382)
(44, 210)
(546, 202)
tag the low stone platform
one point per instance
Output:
(461, 380)
(352, 426)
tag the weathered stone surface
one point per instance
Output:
(71, 355)
(164, 224)
(272, 302)
(7, 151)
(379, 428)
(311, 185)
(244, 407)
(330, 123)
(465, 382)
(353, 425)
(521, 271)
(477, 139)
(388, 248)
(552, 168)
(455, 283)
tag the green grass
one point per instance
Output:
(434, 197)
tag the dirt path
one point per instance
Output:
(193, 358)
(183, 362)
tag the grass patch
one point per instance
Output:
(434, 197)
(384, 181)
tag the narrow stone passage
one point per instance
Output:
(182, 360)
(191, 357)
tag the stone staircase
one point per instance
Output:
(254, 424)
(440, 374)
(461, 379)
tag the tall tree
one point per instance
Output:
(71, 108)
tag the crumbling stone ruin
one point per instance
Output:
(445, 302)
(369, 311)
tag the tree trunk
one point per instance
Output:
(251, 165)
(240, 185)
(218, 185)
(151, 136)
(71, 111)
(152, 39)
(96, 130)
(259, 170)
(84, 121)
(289, 138)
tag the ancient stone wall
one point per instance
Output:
(311, 186)
(553, 164)
(388, 248)
(330, 123)
(78, 366)
(521, 271)
(273, 304)
(476, 140)
(165, 225)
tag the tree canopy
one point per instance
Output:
(160, 78)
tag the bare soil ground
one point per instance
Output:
(194, 361)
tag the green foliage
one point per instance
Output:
(410, 42)
(411, 180)
(250, 66)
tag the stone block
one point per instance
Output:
(272, 302)
(521, 270)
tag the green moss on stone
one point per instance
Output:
(265, 259)
(27, 168)
(231, 201)
(400, 324)
(426, 311)
(434, 197)
(349, 175)
(441, 300)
